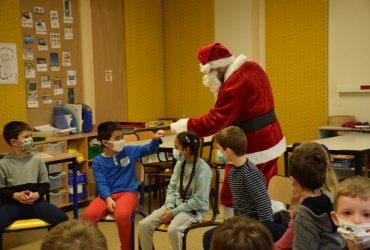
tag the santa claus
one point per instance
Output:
(244, 98)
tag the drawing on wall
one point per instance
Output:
(46, 98)
(27, 19)
(8, 63)
(58, 89)
(41, 65)
(67, 7)
(27, 54)
(38, 10)
(29, 70)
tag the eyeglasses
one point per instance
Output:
(296, 144)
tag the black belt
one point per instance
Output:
(258, 122)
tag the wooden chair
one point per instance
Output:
(23, 225)
(213, 197)
(139, 172)
(130, 137)
(279, 189)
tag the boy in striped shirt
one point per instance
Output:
(247, 183)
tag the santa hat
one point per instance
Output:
(213, 56)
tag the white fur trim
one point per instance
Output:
(216, 64)
(238, 62)
(179, 126)
(268, 154)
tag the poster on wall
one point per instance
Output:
(55, 40)
(71, 77)
(32, 101)
(67, 7)
(54, 19)
(29, 70)
(42, 44)
(54, 62)
(8, 63)
(45, 81)
(27, 54)
(40, 27)
(38, 10)
(66, 58)
(41, 65)
(58, 89)
(68, 33)
(27, 19)
(46, 98)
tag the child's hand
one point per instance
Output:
(21, 197)
(167, 216)
(160, 133)
(32, 197)
(111, 204)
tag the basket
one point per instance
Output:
(339, 120)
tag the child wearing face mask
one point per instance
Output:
(24, 180)
(352, 212)
(114, 173)
(187, 194)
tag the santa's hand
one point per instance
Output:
(179, 126)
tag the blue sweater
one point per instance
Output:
(114, 174)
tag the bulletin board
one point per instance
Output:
(51, 57)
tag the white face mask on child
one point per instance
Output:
(26, 143)
(359, 234)
(118, 146)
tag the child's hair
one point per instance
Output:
(354, 187)
(241, 233)
(106, 129)
(191, 141)
(309, 164)
(234, 138)
(13, 129)
(74, 235)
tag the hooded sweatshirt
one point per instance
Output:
(20, 174)
(313, 227)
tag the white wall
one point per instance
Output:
(349, 56)
(239, 25)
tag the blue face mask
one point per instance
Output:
(177, 156)
(221, 157)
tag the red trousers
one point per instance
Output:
(269, 169)
(125, 207)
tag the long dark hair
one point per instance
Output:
(191, 141)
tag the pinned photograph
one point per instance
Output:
(27, 54)
(40, 27)
(67, 7)
(29, 70)
(27, 19)
(71, 96)
(54, 62)
(45, 81)
(28, 39)
(54, 40)
(66, 58)
(38, 10)
(46, 99)
(68, 33)
(54, 19)
(71, 77)
(58, 102)
(42, 44)
(41, 65)
(32, 101)
(58, 90)
(8, 63)
(108, 75)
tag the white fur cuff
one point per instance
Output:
(179, 126)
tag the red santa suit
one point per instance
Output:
(244, 99)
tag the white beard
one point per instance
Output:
(212, 82)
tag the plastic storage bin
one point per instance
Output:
(56, 147)
(55, 168)
(56, 198)
(79, 189)
(80, 197)
(56, 181)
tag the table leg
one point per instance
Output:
(74, 184)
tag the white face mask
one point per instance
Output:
(359, 234)
(26, 143)
(118, 145)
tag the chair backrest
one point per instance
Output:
(213, 195)
(145, 134)
(279, 189)
(130, 137)
(139, 172)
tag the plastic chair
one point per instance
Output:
(279, 189)
(23, 225)
(213, 197)
(139, 171)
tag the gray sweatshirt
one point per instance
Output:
(20, 174)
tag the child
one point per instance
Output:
(241, 233)
(313, 228)
(352, 212)
(24, 181)
(247, 183)
(114, 173)
(187, 194)
(74, 235)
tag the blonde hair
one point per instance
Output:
(354, 187)
(74, 235)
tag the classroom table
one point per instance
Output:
(55, 158)
(351, 144)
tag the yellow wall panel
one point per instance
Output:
(13, 97)
(188, 25)
(144, 59)
(296, 62)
